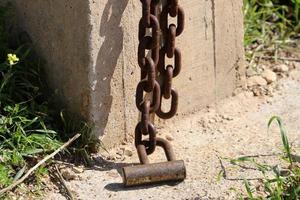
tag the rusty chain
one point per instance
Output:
(157, 39)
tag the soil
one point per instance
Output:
(206, 141)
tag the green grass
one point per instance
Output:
(277, 183)
(269, 21)
(284, 139)
(270, 25)
(30, 126)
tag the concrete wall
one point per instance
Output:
(91, 52)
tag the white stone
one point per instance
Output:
(269, 76)
(256, 81)
(296, 65)
(128, 152)
(68, 174)
(281, 68)
(251, 72)
(78, 170)
(295, 75)
(169, 137)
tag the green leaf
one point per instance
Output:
(32, 152)
(248, 189)
(284, 138)
(20, 173)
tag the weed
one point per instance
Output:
(278, 184)
(270, 23)
(29, 126)
(24, 117)
(284, 137)
(269, 26)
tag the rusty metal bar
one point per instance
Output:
(154, 173)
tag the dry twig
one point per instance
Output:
(63, 182)
(13, 185)
(280, 58)
(257, 49)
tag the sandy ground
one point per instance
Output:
(236, 127)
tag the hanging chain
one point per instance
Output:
(157, 40)
(170, 32)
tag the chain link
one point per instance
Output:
(177, 62)
(157, 39)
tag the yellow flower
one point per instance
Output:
(12, 59)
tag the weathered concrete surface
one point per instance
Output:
(91, 48)
(229, 49)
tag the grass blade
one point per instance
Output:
(284, 138)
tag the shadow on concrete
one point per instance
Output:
(109, 53)
(116, 187)
(102, 164)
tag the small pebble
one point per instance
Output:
(256, 81)
(128, 152)
(120, 152)
(68, 174)
(251, 72)
(269, 76)
(78, 170)
(281, 68)
(296, 65)
(110, 157)
(169, 137)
